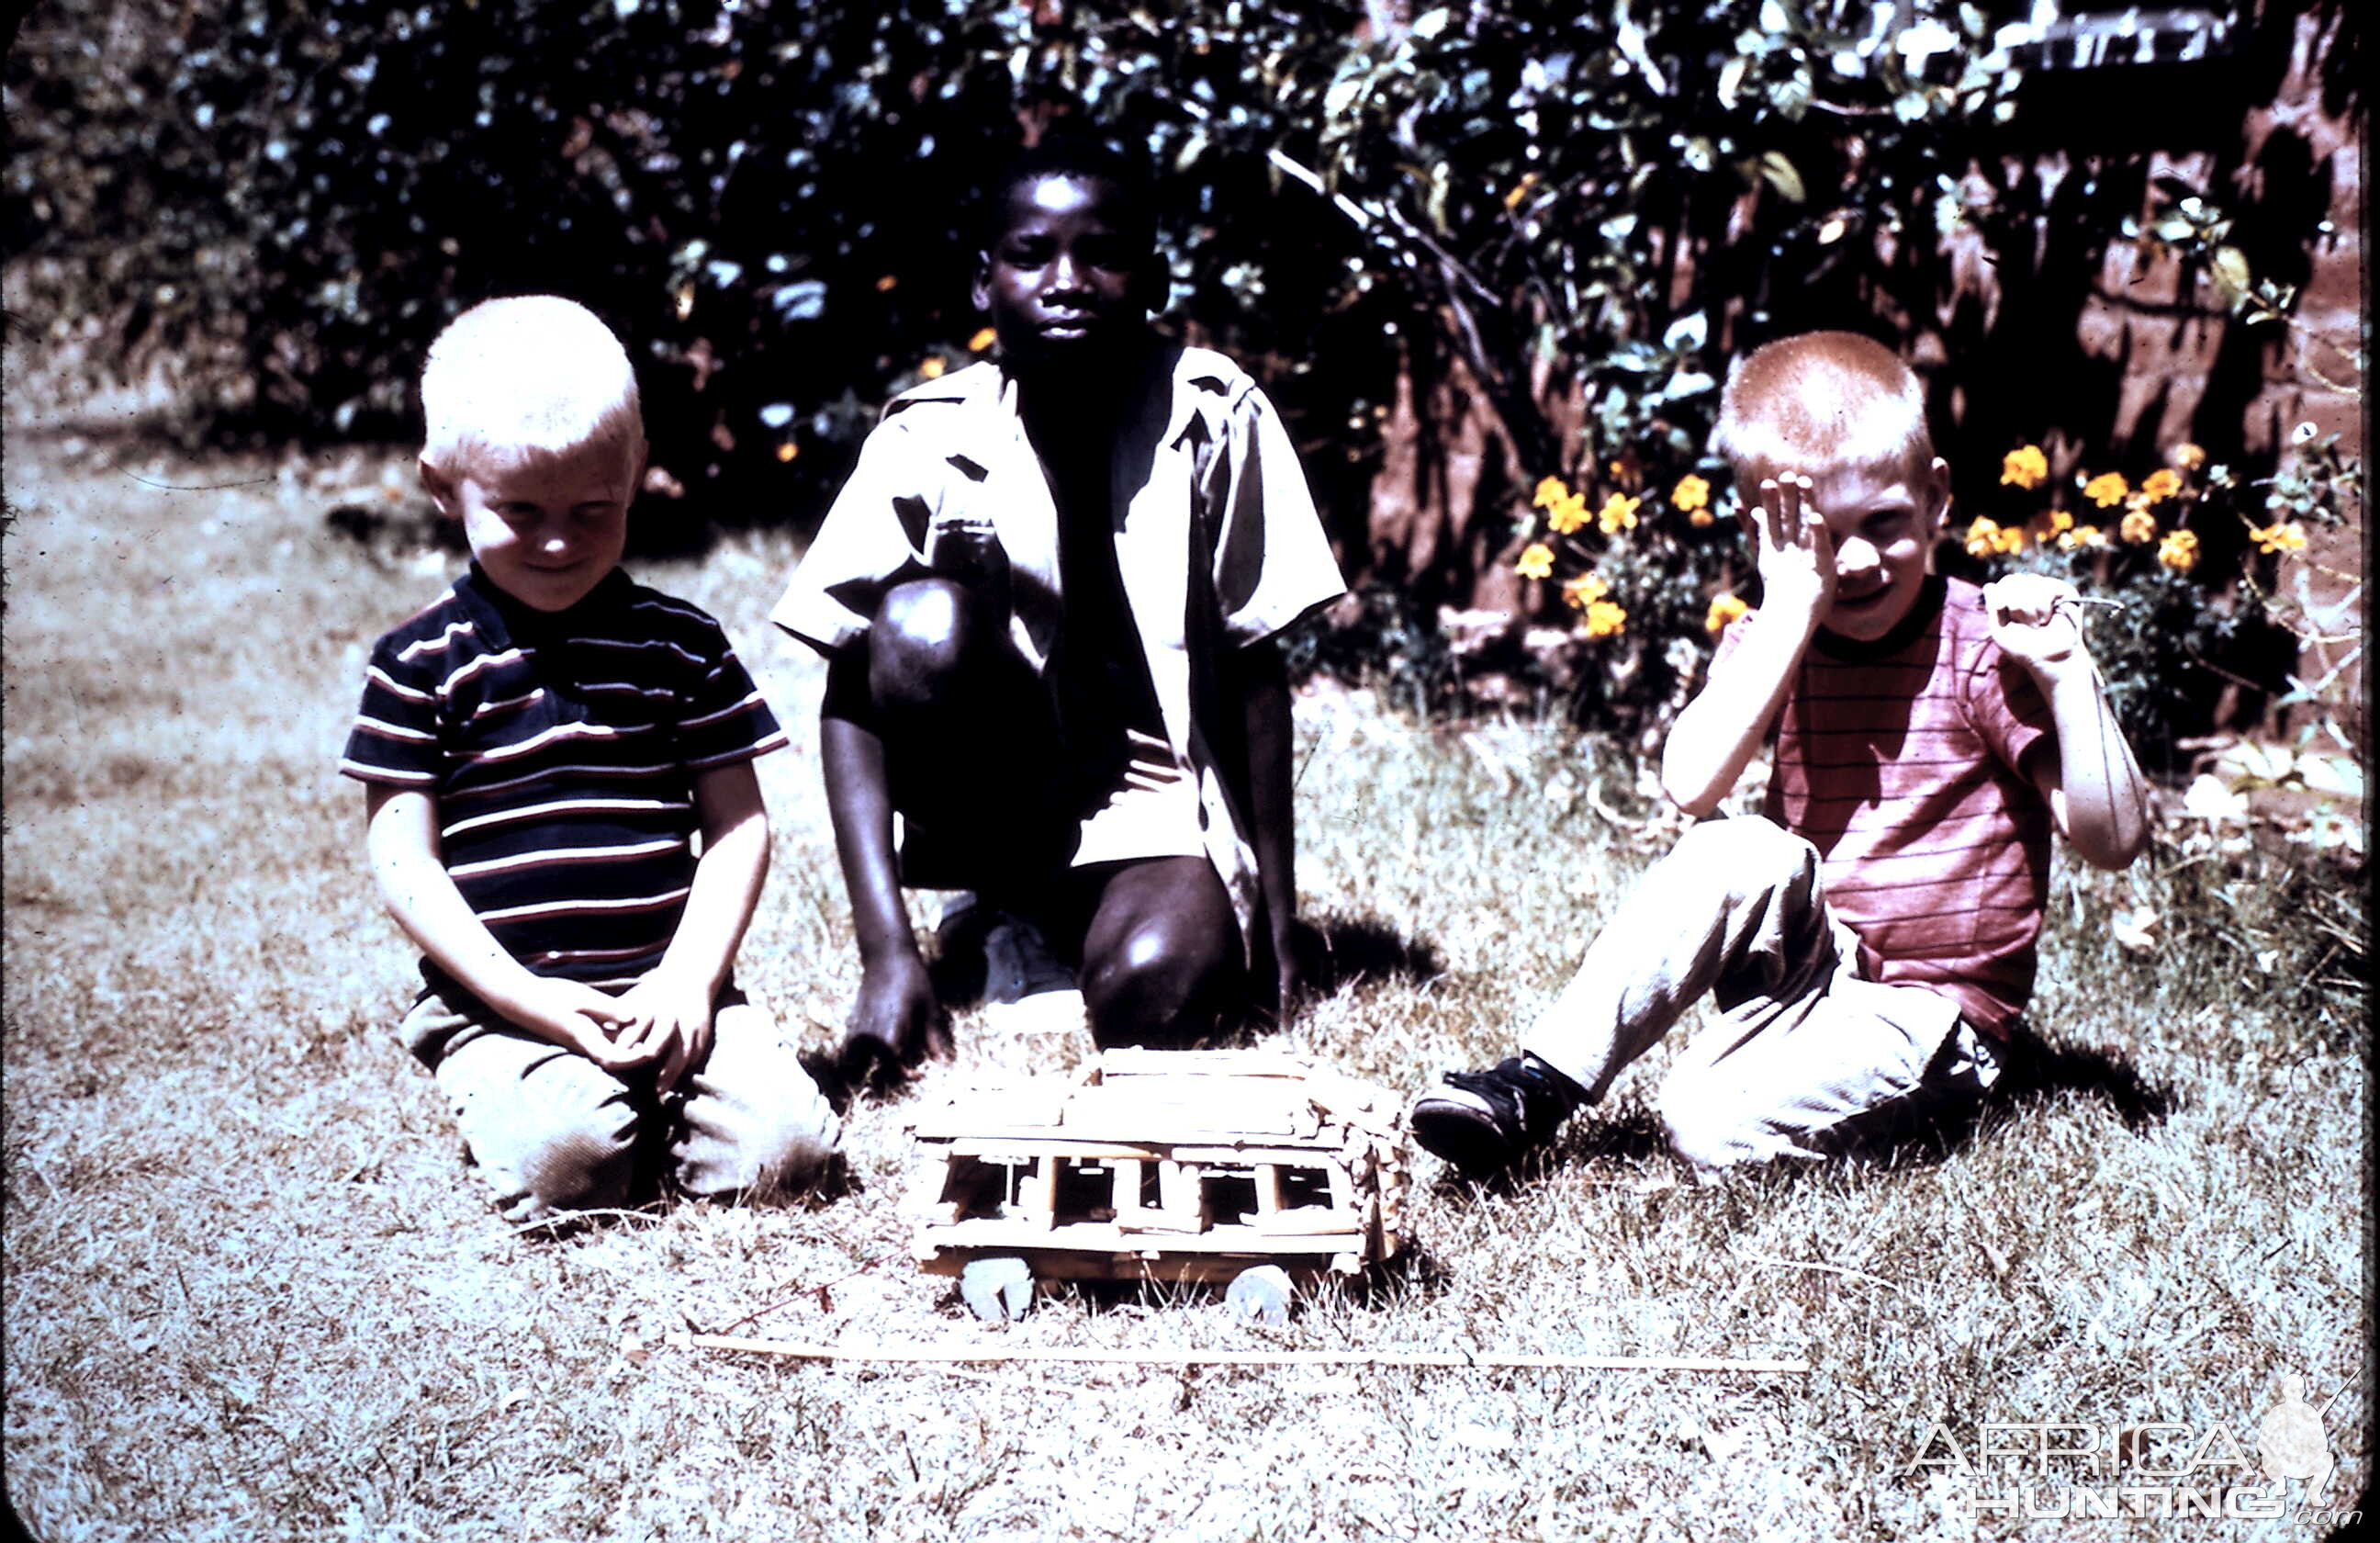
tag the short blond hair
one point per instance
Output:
(1817, 402)
(528, 374)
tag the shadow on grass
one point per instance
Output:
(2046, 1071)
(1338, 951)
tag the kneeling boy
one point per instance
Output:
(540, 750)
(1870, 943)
(1047, 595)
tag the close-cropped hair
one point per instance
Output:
(533, 373)
(1070, 149)
(1819, 401)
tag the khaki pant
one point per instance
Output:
(552, 1132)
(1807, 1059)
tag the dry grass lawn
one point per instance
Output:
(250, 1293)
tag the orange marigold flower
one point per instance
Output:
(1691, 494)
(2026, 467)
(2179, 550)
(932, 368)
(984, 338)
(885, 285)
(1606, 620)
(2061, 522)
(2280, 537)
(2188, 457)
(1549, 490)
(2010, 539)
(1536, 561)
(2082, 536)
(2106, 490)
(1618, 514)
(1723, 610)
(1585, 590)
(1983, 536)
(1568, 512)
(2138, 525)
(1701, 517)
(2160, 484)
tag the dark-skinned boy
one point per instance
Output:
(1048, 596)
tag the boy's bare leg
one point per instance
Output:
(1163, 960)
(966, 728)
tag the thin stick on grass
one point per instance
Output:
(1420, 1359)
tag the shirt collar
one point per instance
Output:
(522, 624)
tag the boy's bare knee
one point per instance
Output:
(1163, 981)
(921, 633)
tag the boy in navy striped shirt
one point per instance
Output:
(561, 806)
(1869, 943)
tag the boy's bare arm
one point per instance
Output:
(897, 1017)
(401, 843)
(1264, 688)
(670, 1009)
(2096, 795)
(1719, 732)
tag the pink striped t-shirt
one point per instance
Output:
(1900, 760)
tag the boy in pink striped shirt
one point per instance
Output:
(1868, 943)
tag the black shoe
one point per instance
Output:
(1485, 1121)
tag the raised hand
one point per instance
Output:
(1793, 549)
(2031, 618)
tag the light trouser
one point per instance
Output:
(1807, 1059)
(553, 1132)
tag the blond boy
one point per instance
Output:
(1869, 944)
(541, 748)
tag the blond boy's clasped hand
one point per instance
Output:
(574, 1014)
(1794, 549)
(665, 1018)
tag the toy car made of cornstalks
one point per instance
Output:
(1164, 1165)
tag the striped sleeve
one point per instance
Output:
(395, 739)
(2007, 708)
(726, 719)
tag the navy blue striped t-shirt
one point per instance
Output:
(561, 750)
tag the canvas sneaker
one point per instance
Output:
(1485, 1121)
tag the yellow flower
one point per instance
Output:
(984, 338)
(1606, 620)
(1568, 512)
(1618, 514)
(2061, 522)
(1536, 561)
(1584, 591)
(2082, 536)
(1983, 536)
(1701, 517)
(1723, 610)
(2026, 467)
(932, 368)
(885, 285)
(1520, 191)
(2008, 539)
(2277, 537)
(2106, 490)
(1691, 494)
(2179, 550)
(2160, 484)
(2187, 456)
(2138, 525)
(1549, 491)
